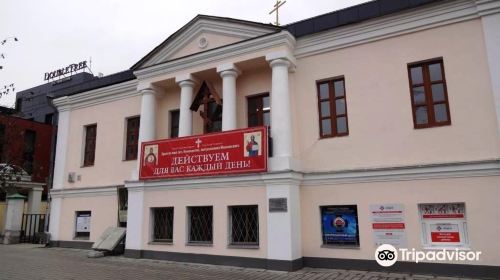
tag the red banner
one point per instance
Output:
(445, 237)
(229, 152)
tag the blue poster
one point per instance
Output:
(340, 225)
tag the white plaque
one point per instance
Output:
(83, 223)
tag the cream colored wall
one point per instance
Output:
(109, 167)
(104, 214)
(220, 199)
(379, 110)
(479, 194)
(214, 41)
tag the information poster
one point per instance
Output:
(340, 225)
(444, 224)
(388, 225)
(83, 223)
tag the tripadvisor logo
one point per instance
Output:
(386, 255)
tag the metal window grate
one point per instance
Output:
(244, 225)
(163, 227)
(200, 224)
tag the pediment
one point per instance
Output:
(201, 34)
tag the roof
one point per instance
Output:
(191, 22)
(108, 80)
(354, 14)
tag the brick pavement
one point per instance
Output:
(32, 262)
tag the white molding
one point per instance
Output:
(429, 16)
(84, 192)
(487, 7)
(405, 173)
(385, 174)
(279, 39)
(212, 26)
(97, 96)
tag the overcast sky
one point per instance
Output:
(114, 33)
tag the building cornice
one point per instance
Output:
(429, 16)
(84, 192)
(218, 55)
(97, 96)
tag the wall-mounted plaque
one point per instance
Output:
(278, 204)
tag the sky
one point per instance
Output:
(113, 34)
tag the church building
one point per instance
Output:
(303, 145)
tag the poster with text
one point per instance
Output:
(340, 225)
(388, 225)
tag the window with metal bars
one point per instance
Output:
(132, 138)
(429, 96)
(163, 224)
(332, 106)
(200, 225)
(89, 151)
(244, 225)
(29, 150)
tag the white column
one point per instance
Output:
(229, 73)
(62, 143)
(135, 218)
(13, 218)
(147, 123)
(186, 82)
(147, 128)
(281, 116)
(490, 12)
(55, 217)
(34, 200)
(283, 228)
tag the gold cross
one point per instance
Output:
(276, 7)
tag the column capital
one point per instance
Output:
(283, 58)
(228, 69)
(186, 80)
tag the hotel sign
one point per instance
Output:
(65, 70)
(230, 152)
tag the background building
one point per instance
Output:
(381, 133)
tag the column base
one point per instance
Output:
(11, 237)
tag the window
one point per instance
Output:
(339, 225)
(174, 123)
(213, 120)
(82, 224)
(122, 206)
(332, 108)
(90, 138)
(244, 225)
(444, 225)
(132, 138)
(163, 224)
(429, 97)
(200, 225)
(29, 150)
(259, 110)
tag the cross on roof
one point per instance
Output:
(276, 9)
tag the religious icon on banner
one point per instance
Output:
(253, 144)
(150, 155)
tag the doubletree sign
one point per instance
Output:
(229, 152)
(65, 70)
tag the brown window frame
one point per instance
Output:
(174, 126)
(427, 85)
(132, 131)
(333, 110)
(90, 145)
(260, 110)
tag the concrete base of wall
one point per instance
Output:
(439, 269)
(11, 237)
(453, 270)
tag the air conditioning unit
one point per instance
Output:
(71, 177)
